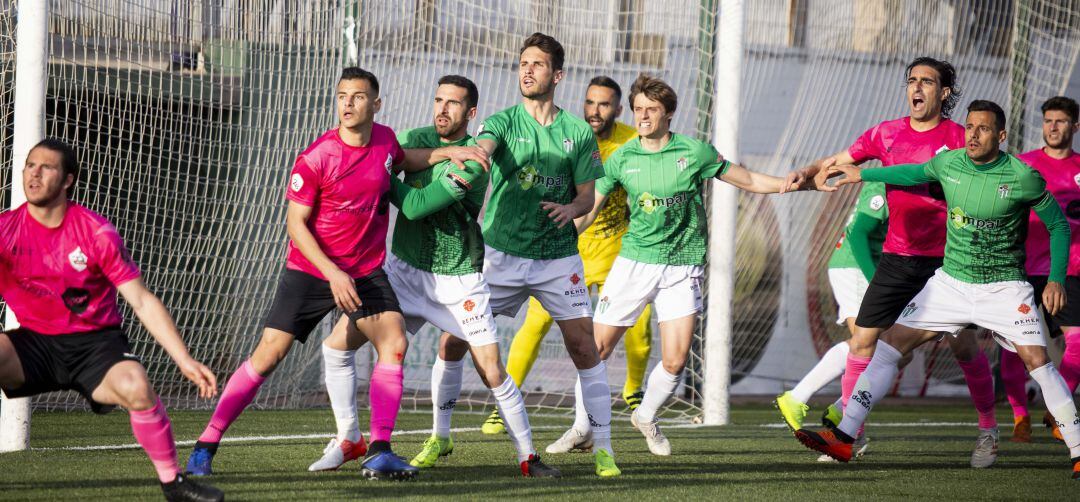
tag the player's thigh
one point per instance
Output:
(848, 287)
(906, 338)
(386, 331)
(272, 348)
(559, 286)
(678, 293)
(676, 335)
(345, 335)
(126, 384)
(301, 302)
(1008, 309)
(896, 281)
(1033, 356)
(627, 291)
(11, 371)
(944, 305)
(411, 286)
(505, 275)
(607, 337)
(965, 344)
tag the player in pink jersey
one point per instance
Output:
(915, 241)
(61, 266)
(1060, 166)
(337, 221)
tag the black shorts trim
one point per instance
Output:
(76, 362)
(895, 283)
(1070, 315)
(303, 300)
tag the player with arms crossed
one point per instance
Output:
(1060, 167)
(598, 245)
(663, 252)
(337, 220)
(914, 244)
(990, 195)
(61, 266)
(544, 162)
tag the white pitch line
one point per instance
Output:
(256, 439)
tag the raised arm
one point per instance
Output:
(155, 317)
(1048, 210)
(416, 203)
(341, 284)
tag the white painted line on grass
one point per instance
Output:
(894, 424)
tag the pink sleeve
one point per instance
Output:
(396, 151)
(303, 183)
(866, 147)
(113, 258)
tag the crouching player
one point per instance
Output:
(61, 266)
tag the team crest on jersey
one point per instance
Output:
(469, 305)
(568, 145)
(1076, 179)
(681, 163)
(1003, 191)
(297, 182)
(389, 163)
(1023, 309)
(877, 202)
(77, 260)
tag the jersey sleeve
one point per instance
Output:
(710, 163)
(114, 260)
(866, 146)
(397, 153)
(494, 128)
(587, 165)
(872, 201)
(303, 184)
(610, 180)
(407, 138)
(443, 191)
(901, 174)
(1048, 210)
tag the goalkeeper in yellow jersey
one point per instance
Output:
(599, 245)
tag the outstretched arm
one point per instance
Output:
(818, 171)
(418, 159)
(900, 174)
(155, 317)
(416, 203)
(755, 182)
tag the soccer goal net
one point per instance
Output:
(188, 115)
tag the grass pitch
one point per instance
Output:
(755, 458)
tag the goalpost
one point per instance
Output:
(187, 116)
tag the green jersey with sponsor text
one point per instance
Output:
(447, 242)
(667, 216)
(872, 203)
(533, 164)
(988, 208)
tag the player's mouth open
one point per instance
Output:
(917, 103)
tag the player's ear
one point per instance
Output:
(378, 104)
(471, 114)
(618, 110)
(945, 93)
(69, 181)
(559, 74)
(1002, 135)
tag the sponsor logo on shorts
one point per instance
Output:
(909, 309)
(573, 292)
(449, 405)
(579, 304)
(476, 332)
(297, 182)
(473, 319)
(1024, 309)
(1026, 322)
(574, 279)
(469, 305)
(863, 397)
(1003, 191)
(77, 260)
(603, 305)
(1033, 332)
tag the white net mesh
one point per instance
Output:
(188, 115)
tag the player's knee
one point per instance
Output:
(674, 366)
(863, 342)
(134, 391)
(453, 349)
(1034, 360)
(395, 345)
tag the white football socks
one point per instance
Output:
(871, 386)
(339, 367)
(661, 387)
(516, 421)
(829, 368)
(596, 397)
(1060, 403)
(445, 391)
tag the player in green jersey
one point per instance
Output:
(434, 269)
(543, 161)
(663, 252)
(982, 280)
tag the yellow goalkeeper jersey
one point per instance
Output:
(614, 217)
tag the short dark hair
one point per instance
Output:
(1063, 104)
(656, 90)
(472, 95)
(983, 105)
(947, 75)
(549, 45)
(610, 83)
(357, 73)
(68, 161)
